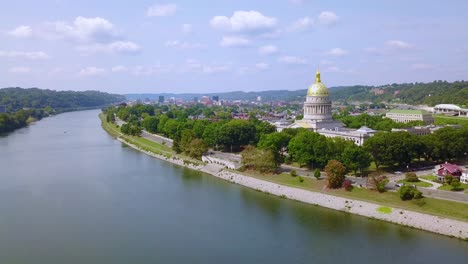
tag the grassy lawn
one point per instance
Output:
(429, 177)
(419, 184)
(447, 187)
(442, 120)
(384, 210)
(426, 205)
(141, 142)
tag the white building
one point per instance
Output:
(405, 116)
(318, 116)
(464, 177)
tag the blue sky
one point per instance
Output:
(210, 46)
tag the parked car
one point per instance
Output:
(400, 184)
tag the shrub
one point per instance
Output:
(410, 192)
(406, 193)
(455, 184)
(301, 179)
(448, 178)
(317, 173)
(418, 194)
(347, 185)
(293, 173)
(378, 183)
(411, 177)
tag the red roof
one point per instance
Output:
(449, 168)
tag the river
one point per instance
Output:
(70, 193)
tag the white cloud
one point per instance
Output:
(215, 68)
(92, 71)
(127, 47)
(292, 60)
(19, 70)
(268, 50)
(183, 45)
(337, 52)
(21, 32)
(398, 44)
(302, 24)
(119, 68)
(297, 2)
(195, 65)
(84, 29)
(327, 18)
(421, 66)
(33, 55)
(244, 21)
(234, 41)
(262, 66)
(337, 69)
(187, 28)
(162, 10)
(145, 70)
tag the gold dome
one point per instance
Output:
(318, 88)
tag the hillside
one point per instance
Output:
(15, 99)
(432, 93)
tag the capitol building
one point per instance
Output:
(318, 116)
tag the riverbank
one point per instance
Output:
(432, 223)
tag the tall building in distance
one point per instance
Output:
(318, 116)
(215, 98)
(161, 99)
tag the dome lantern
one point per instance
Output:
(318, 88)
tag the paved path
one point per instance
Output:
(446, 195)
(157, 138)
(434, 186)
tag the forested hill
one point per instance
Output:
(432, 93)
(437, 92)
(15, 99)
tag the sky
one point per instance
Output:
(206, 46)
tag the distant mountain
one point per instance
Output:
(432, 93)
(18, 98)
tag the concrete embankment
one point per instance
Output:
(436, 224)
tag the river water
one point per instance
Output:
(70, 193)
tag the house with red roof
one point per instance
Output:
(440, 171)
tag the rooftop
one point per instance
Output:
(407, 111)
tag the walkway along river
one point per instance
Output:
(70, 193)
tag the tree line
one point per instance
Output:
(268, 148)
(15, 99)
(27, 105)
(12, 121)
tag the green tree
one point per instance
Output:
(186, 138)
(308, 148)
(197, 148)
(356, 158)
(150, 124)
(317, 173)
(262, 160)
